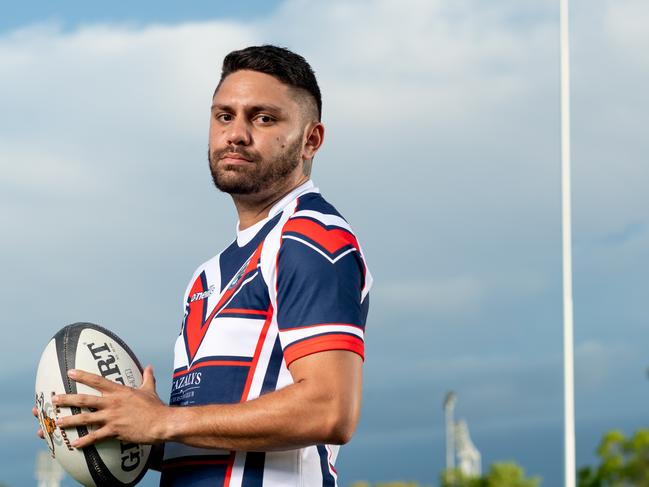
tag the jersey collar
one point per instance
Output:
(245, 236)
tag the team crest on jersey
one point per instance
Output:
(237, 277)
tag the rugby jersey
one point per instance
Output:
(291, 285)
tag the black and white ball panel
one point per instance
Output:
(88, 347)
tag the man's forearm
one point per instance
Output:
(303, 413)
(281, 420)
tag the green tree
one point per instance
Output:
(509, 474)
(623, 462)
(455, 478)
(504, 474)
(397, 483)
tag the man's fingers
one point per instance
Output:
(93, 380)
(78, 400)
(40, 433)
(92, 437)
(80, 420)
(148, 379)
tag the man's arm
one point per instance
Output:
(321, 406)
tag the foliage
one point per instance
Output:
(623, 462)
(455, 478)
(385, 484)
(505, 474)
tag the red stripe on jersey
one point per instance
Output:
(332, 240)
(228, 472)
(255, 358)
(242, 311)
(211, 363)
(324, 343)
(194, 327)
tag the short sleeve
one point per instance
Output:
(320, 283)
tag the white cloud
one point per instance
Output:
(459, 294)
(446, 110)
(35, 168)
(597, 363)
(626, 27)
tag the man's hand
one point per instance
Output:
(128, 414)
(40, 433)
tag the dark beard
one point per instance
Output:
(256, 177)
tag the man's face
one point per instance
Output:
(256, 136)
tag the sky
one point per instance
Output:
(441, 150)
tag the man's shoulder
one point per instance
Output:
(313, 211)
(316, 203)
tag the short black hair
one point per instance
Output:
(279, 62)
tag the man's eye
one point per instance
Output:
(224, 117)
(264, 119)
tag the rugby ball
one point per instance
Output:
(88, 347)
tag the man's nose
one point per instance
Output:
(239, 132)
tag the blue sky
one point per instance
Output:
(72, 14)
(442, 150)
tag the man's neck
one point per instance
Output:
(254, 208)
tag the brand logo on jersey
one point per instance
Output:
(191, 379)
(203, 295)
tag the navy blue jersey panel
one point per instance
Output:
(313, 290)
(218, 384)
(194, 476)
(253, 295)
(274, 365)
(253, 472)
(365, 307)
(315, 202)
(327, 478)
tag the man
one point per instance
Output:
(267, 370)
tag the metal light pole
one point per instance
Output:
(449, 406)
(568, 358)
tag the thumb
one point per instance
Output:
(148, 379)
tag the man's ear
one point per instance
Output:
(314, 136)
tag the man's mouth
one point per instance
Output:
(234, 158)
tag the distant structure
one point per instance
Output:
(449, 408)
(469, 458)
(48, 472)
(458, 442)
